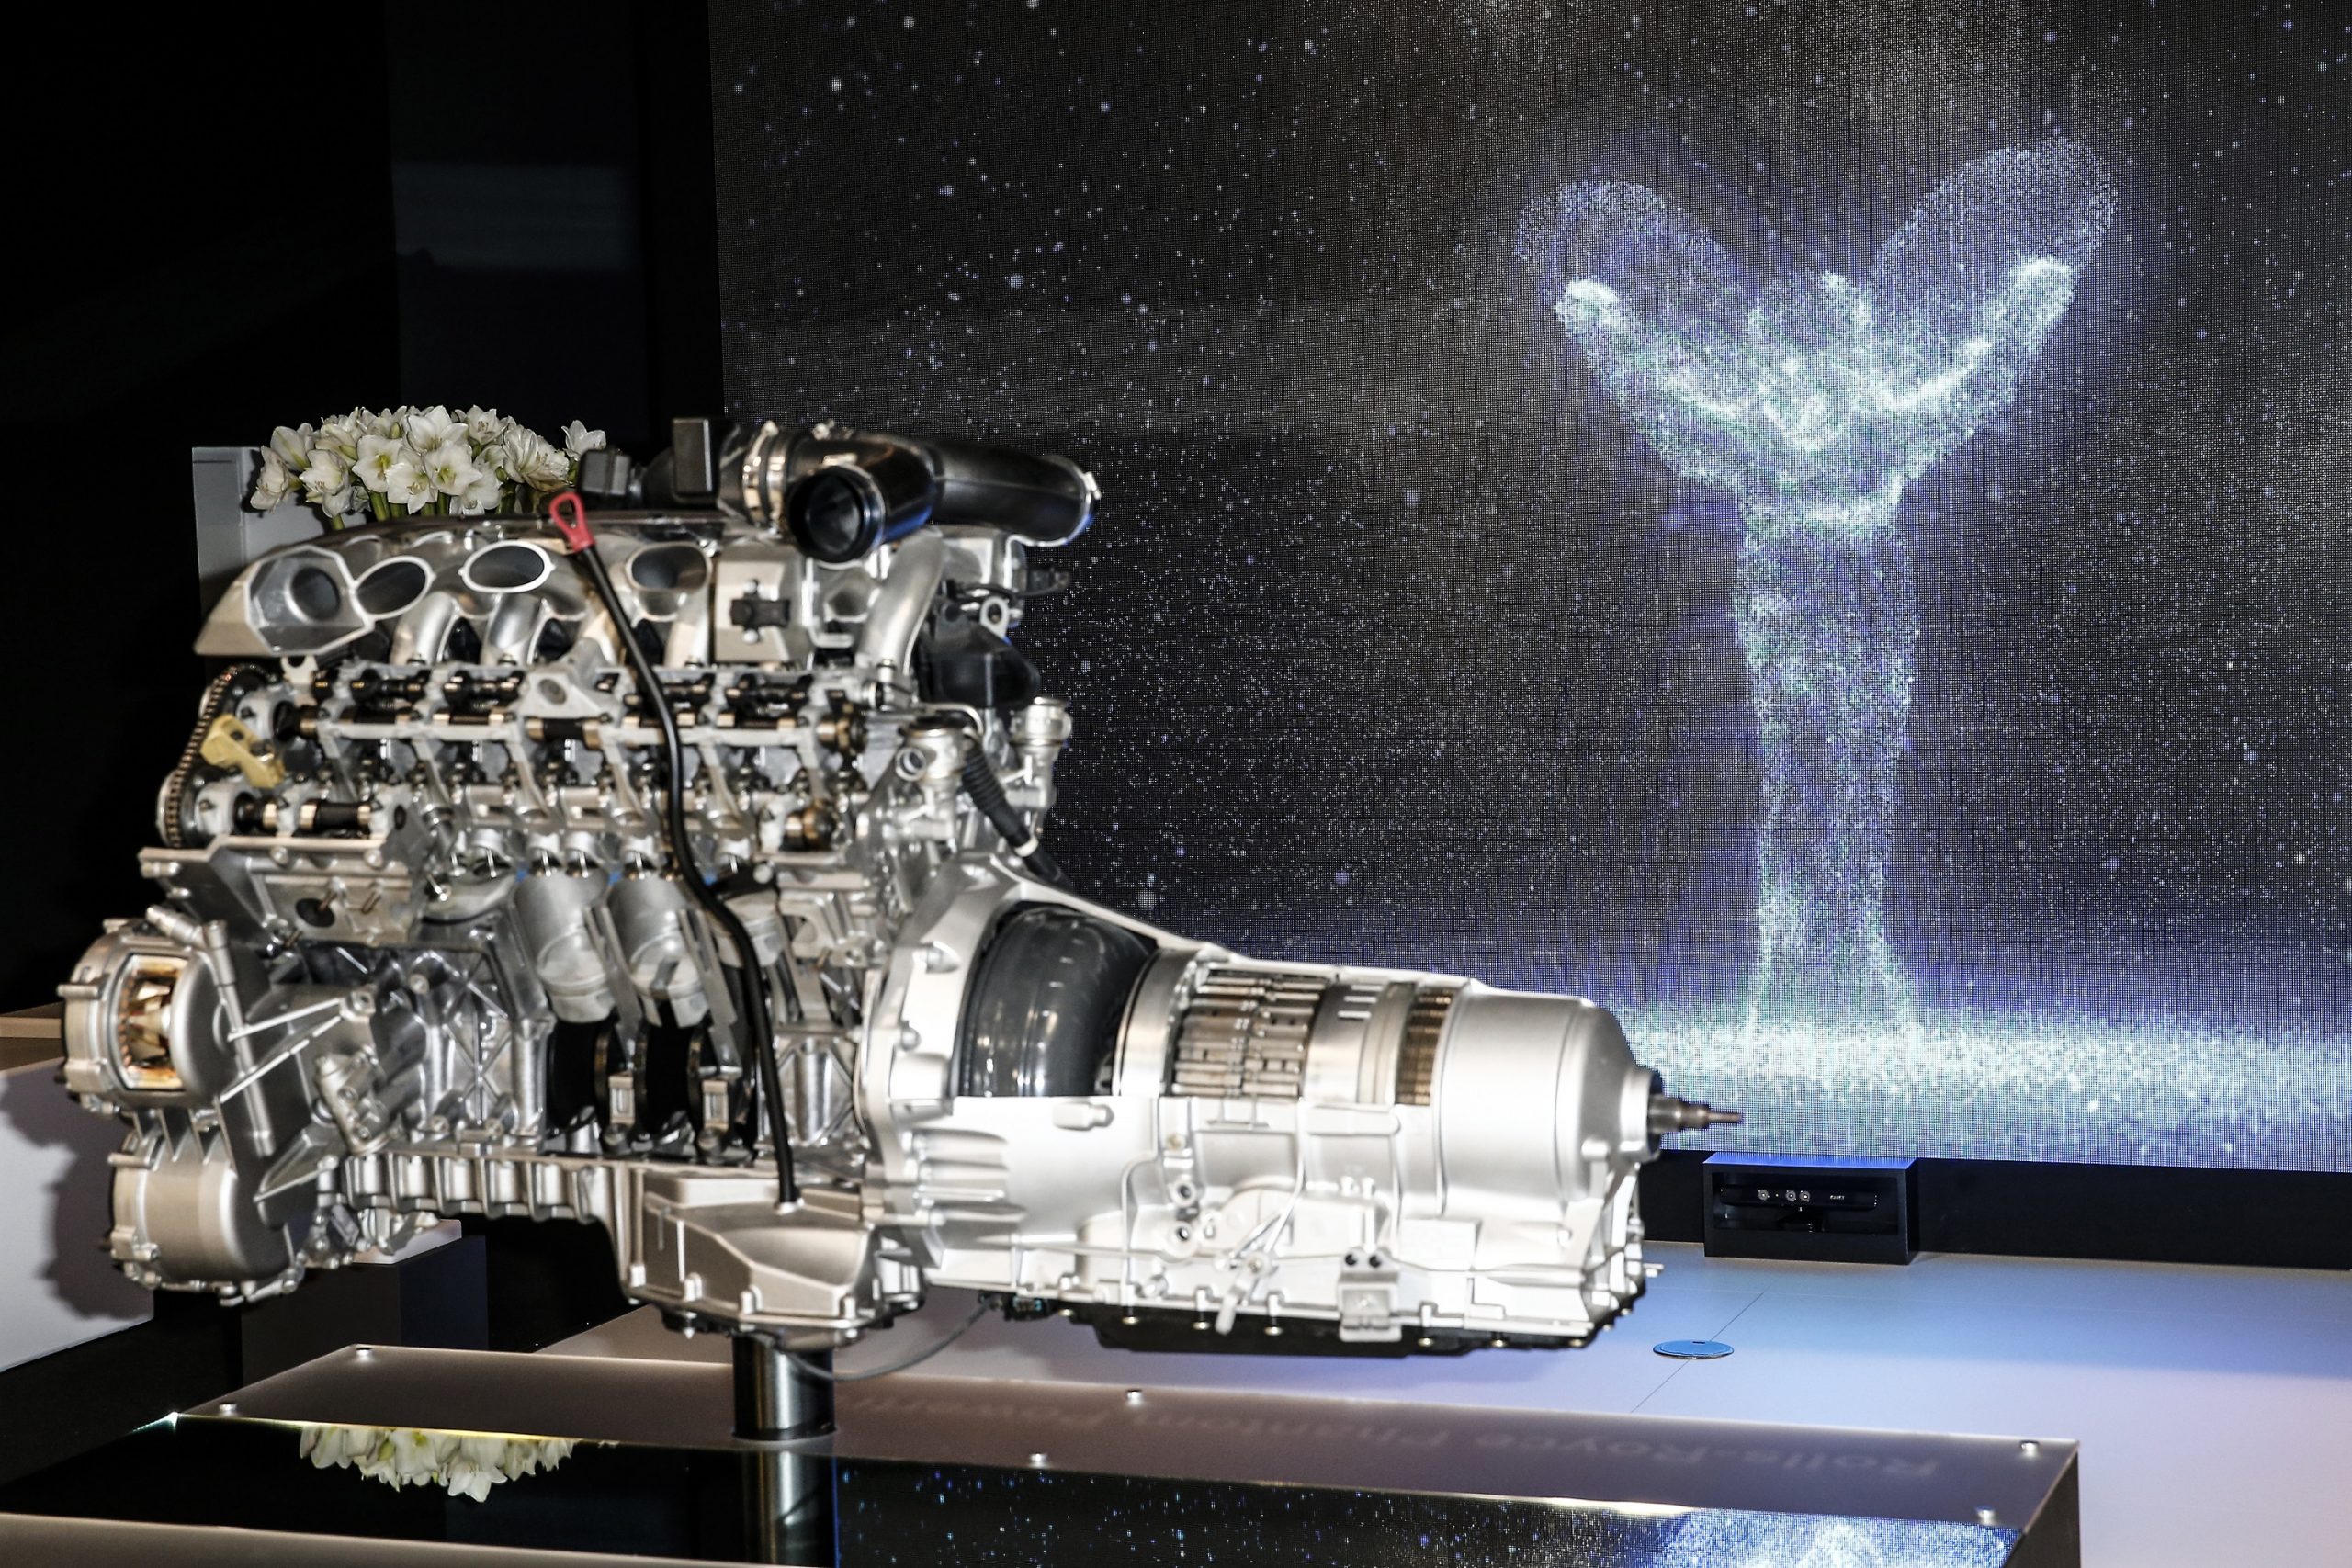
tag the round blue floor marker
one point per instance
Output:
(1693, 1349)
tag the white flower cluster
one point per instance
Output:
(412, 460)
(404, 1456)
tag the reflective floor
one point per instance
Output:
(405, 1484)
(2213, 1406)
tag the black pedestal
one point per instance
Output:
(438, 1299)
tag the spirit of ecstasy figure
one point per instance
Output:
(1815, 399)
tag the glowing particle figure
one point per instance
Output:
(1723, 1539)
(1814, 401)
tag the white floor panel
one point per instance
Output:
(2206, 1440)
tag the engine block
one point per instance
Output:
(501, 879)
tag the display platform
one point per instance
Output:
(626, 1456)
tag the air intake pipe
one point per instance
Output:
(839, 492)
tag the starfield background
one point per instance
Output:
(1397, 643)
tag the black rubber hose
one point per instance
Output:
(651, 697)
(1046, 501)
(901, 482)
(982, 784)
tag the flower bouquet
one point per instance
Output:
(468, 1464)
(372, 465)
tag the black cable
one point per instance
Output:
(988, 793)
(817, 1370)
(758, 1022)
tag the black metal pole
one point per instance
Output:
(789, 1502)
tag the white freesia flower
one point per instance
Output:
(531, 461)
(429, 428)
(492, 457)
(395, 1455)
(293, 445)
(426, 460)
(326, 483)
(450, 466)
(344, 433)
(271, 488)
(483, 495)
(325, 469)
(407, 484)
(479, 1465)
(403, 1456)
(378, 455)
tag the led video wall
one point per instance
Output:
(1822, 527)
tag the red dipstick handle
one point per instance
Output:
(570, 520)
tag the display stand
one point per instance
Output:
(979, 1469)
(781, 1402)
(434, 1293)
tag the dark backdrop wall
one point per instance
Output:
(1400, 641)
(230, 222)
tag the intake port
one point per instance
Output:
(300, 602)
(666, 577)
(510, 567)
(391, 586)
